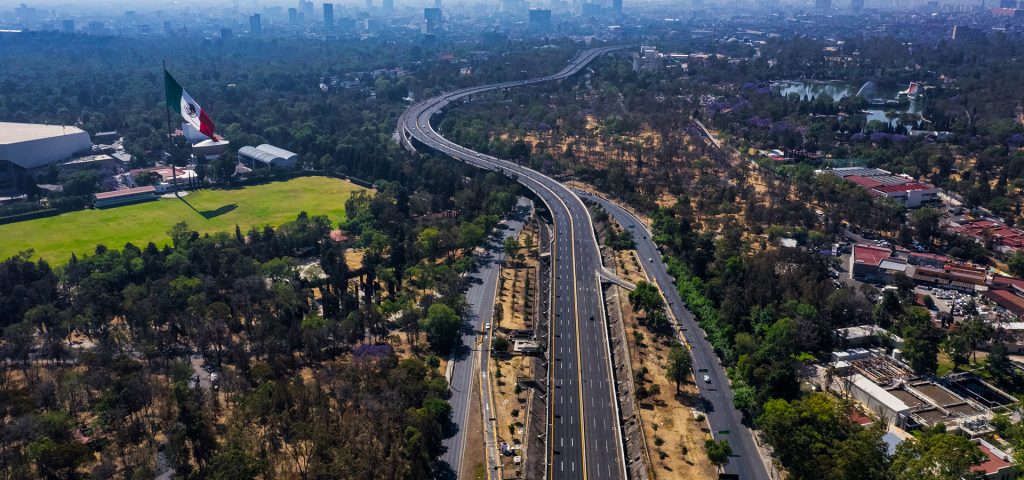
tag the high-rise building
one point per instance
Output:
(540, 20)
(307, 9)
(225, 34)
(255, 24)
(168, 29)
(617, 7)
(329, 16)
(823, 4)
(432, 20)
(857, 5)
(591, 9)
(1007, 3)
(69, 26)
(26, 14)
(293, 16)
(437, 3)
(389, 5)
(96, 28)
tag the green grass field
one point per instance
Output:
(206, 211)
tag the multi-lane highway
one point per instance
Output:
(584, 437)
(725, 421)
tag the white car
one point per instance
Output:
(707, 379)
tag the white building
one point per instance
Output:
(29, 146)
(876, 398)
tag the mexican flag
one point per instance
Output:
(181, 102)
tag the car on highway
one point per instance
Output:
(650, 260)
(707, 379)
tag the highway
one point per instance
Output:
(725, 421)
(584, 435)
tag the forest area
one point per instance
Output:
(268, 353)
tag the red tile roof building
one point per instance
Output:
(1004, 239)
(998, 465)
(866, 262)
(881, 183)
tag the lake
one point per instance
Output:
(811, 89)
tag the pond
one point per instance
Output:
(808, 89)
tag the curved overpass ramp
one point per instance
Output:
(583, 437)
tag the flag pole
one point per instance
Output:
(170, 133)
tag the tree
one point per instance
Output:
(429, 242)
(808, 433)
(646, 298)
(511, 247)
(718, 452)
(936, 455)
(179, 234)
(926, 224)
(862, 456)
(528, 244)
(998, 358)
(1016, 264)
(499, 344)
(679, 364)
(921, 340)
(443, 327)
(958, 347)
(975, 331)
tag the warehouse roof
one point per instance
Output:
(24, 132)
(880, 394)
(258, 154)
(277, 151)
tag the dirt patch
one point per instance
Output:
(674, 436)
(516, 297)
(474, 464)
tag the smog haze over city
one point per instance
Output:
(532, 239)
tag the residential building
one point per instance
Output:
(992, 233)
(867, 336)
(293, 16)
(648, 59)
